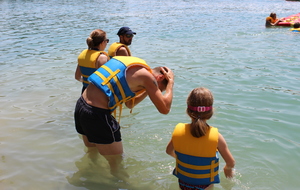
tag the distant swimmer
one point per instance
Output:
(121, 48)
(272, 20)
(196, 145)
(296, 27)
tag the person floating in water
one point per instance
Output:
(196, 145)
(296, 27)
(272, 20)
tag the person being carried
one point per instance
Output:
(121, 48)
(89, 60)
(123, 79)
(272, 20)
(296, 27)
(195, 145)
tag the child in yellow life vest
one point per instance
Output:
(196, 145)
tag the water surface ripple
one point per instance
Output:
(222, 45)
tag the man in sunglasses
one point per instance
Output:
(121, 48)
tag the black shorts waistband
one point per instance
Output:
(106, 111)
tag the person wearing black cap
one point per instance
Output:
(121, 48)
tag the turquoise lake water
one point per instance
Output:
(252, 71)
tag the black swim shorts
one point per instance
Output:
(97, 124)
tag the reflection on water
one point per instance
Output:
(93, 171)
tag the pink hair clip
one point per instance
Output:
(200, 108)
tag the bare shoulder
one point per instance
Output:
(221, 138)
(221, 142)
(102, 59)
(137, 77)
(138, 71)
(122, 51)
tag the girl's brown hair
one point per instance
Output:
(96, 38)
(200, 97)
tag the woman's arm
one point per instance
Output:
(78, 74)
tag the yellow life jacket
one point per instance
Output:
(295, 29)
(115, 47)
(197, 160)
(87, 63)
(111, 79)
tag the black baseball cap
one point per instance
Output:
(125, 30)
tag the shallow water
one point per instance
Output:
(222, 45)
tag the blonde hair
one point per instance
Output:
(199, 97)
(96, 38)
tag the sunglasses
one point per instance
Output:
(107, 40)
(129, 35)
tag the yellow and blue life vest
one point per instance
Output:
(87, 63)
(111, 79)
(295, 29)
(113, 48)
(197, 160)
